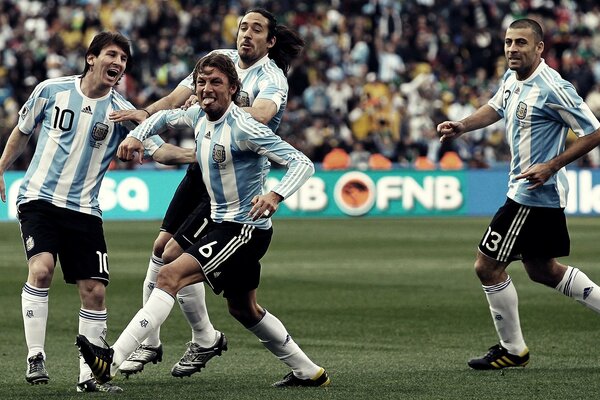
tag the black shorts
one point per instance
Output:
(229, 256)
(195, 226)
(73, 238)
(519, 232)
(188, 195)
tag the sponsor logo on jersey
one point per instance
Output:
(207, 135)
(521, 110)
(99, 131)
(144, 323)
(87, 110)
(218, 153)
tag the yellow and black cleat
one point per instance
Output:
(98, 358)
(498, 357)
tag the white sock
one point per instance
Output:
(34, 305)
(92, 325)
(273, 335)
(192, 302)
(504, 306)
(154, 266)
(151, 316)
(577, 285)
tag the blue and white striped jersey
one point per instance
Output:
(263, 80)
(75, 145)
(538, 113)
(231, 153)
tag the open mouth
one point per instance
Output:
(113, 73)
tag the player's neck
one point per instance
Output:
(92, 88)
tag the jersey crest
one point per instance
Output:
(218, 153)
(243, 99)
(521, 110)
(99, 131)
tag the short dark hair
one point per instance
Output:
(104, 39)
(288, 44)
(538, 33)
(224, 64)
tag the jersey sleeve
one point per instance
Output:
(274, 88)
(32, 112)
(260, 139)
(159, 122)
(568, 106)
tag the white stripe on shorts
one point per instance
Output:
(230, 248)
(513, 233)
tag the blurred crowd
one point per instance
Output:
(376, 76)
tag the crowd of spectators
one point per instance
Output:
(376, 76)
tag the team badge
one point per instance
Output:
(242, 99)
(521, 110)
(218, 153)
(29, 243)
(99, 131)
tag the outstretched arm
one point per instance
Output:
(481, 118)
(175, 99)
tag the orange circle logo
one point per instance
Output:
(355, 193)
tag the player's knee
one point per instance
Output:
(171, 251)
(245, 314)
(92, 293)
(159, 244)
(484, 272)
(40, 272)
(168, 280)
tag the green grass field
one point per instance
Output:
(391, 308)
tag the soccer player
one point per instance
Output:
(262, 58)
(539, 108)
(58, 208)
(231, 149)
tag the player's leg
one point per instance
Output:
(84, 262)
(182, 204)
(550, 240)
(38, 231)
(498, 247)
(271, 332)
(191, 299)
(105, 362)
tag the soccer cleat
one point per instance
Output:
(36, 370)
(140, 357)
(98, 358)
(91, 385)
(196, 357)
(498, 357)
(291, 380)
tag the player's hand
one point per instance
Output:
(537, 175)
(450, 129)
(128, 115)
(2, 189)
(264, 206)
(193, 99)
(129, 148)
